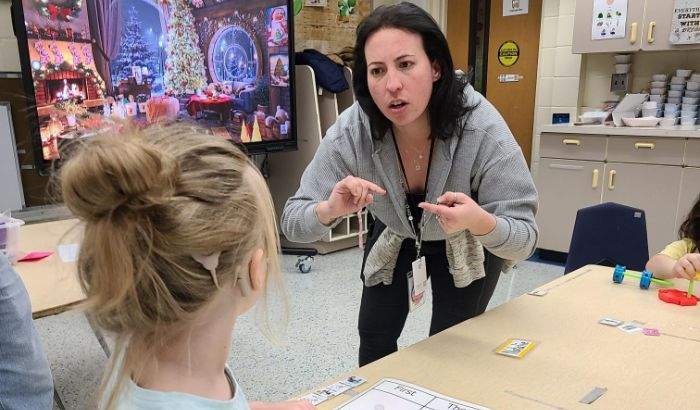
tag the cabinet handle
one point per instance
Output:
(594, 183)
(633, 33)
(566, 166)
(644, 145)
(611, 180)
(650, 35)
(571, 142)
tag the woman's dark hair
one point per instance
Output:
(447, 104)
(690, 228)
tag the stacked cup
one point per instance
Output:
(658, 91)
(650, 109)
(671, 113)
(622, 63)
(689, 102)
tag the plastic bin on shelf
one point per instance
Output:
(9, 237)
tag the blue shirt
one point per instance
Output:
(135, 397)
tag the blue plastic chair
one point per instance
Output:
(609, 234)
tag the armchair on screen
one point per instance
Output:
(243, 100)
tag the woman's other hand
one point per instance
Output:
(456, 211)
(348, 196)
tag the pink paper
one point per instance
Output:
(650, 331)
(34, 256)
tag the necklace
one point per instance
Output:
(417, 160)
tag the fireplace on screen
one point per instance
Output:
(66, 89)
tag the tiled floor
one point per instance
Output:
(321, 340)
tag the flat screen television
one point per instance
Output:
(226, 65)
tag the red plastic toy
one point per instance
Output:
(678, 297)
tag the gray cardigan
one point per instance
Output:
(484, 161)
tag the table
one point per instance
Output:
(574, 353)
(52, 284)
(221, 105)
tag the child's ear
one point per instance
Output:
(257, 270)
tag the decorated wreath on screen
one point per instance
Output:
(59, 10)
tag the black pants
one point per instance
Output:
(384, 309)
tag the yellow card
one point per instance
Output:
(515, 347)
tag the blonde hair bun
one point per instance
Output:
(117, 173)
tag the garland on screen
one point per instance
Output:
(184, 63)
(61, 10)
(48, 69)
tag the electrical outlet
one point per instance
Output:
(620, 82)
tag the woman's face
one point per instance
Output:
(400, 76)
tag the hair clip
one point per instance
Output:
(210, 263)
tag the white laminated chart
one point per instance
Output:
(392, 394)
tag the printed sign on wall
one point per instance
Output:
(685, 24)
(609, 19)
(508, 53)
(514, 7)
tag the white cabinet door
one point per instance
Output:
(648, 27)
(653, 188)
(690, 189)
(564, 187)
(657, 27)
(583, 26)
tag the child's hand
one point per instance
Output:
(282, 405)
(687, 266)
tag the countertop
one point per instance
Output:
(676, 131)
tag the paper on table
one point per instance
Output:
(396, 394)
(69, 253)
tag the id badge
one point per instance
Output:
(420, 274)
(415, 300)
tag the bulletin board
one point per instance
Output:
(322, 28)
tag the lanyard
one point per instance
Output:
(404, 185)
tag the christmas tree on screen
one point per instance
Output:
(134, 49)
(184, 64)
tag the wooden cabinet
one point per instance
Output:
(316, 111)
(583, 22)
(578, 170)
(574, 146)
(569, 177)
(692, 153)
(690, 189)
(653, 188)
(349, 227)
(564, 187)
(690, 181)
(648, 27)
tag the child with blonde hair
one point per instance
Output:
(180, 240)
(680, 259)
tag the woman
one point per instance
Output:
(418, 139)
